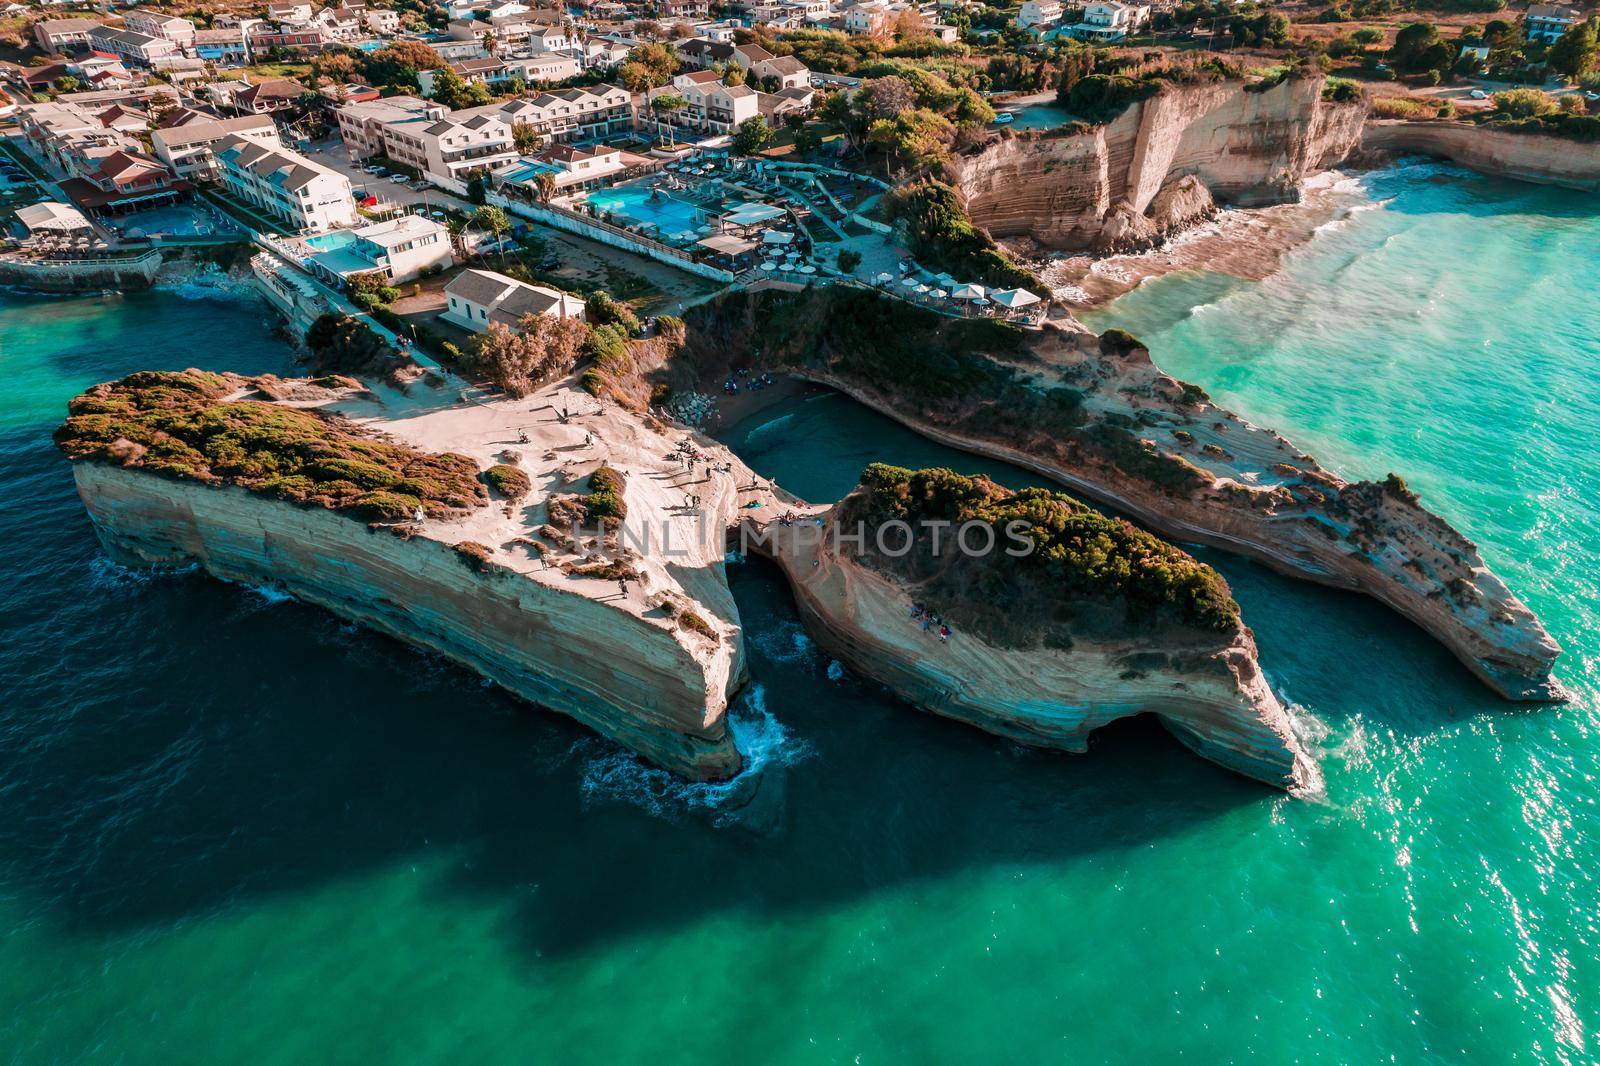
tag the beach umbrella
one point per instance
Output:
(923, 290)
(945, 281)
(968, 292)
(981, 302)
(1014, 298)
(769, 266)
(808, 269)
(910, 283)
(884, 279)
(939, 294)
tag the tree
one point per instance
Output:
(1523, 103)
(449, 89)
(915, 139)
(1574, 54)
(340, 344)
(663, 105)
(1418, 47)
(734, 75)
(849, 259)
(398, 63)
(494, 220)
(541, 348)
(525, 138)
(1367, 35)
(544, 184)
(752, 136)
(67, 84)
(649, 66)
(886, 97)
(807, 138)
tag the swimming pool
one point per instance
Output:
(179, 220)
(639, 205)
(1040, 117)
(331, 241)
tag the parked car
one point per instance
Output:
(1478, 94)
(400, 179)
(422, 184)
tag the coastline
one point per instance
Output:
(1247, 243)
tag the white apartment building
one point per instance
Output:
(712, 107)
(1108, 20)
(1548, 22)
(402, 248)
(447, 151)
(305, 194)
(63, 35)
(362, 125)
(132, 47)
(478, 297)
(179, 31)
(1036, 14)
(189, 150)
(381, 20)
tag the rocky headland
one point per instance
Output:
(1163, 164)
(1095, 414)
(436, 522)
(908, 580)
(572, 550)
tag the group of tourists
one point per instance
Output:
(752, 382)
(931, 622)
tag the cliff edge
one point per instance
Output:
(1541, 159)
(1096, 415)
(489, 532)
(1034, 618)
(1162, 164)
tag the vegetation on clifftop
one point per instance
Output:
(1086, 573)
(970, 376)
(941, 234)
(180, 425)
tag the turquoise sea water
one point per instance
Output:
(234, 830)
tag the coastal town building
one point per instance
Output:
(188, 149)
(302, 192)
(362, 123)
(1547, 22)
(64, 35)
(400, 248)
(1039, 14)
(53, 218)
(567, 114)
(478, 297)
(139, 49)
(572, 168)
(448, 151)
(1107, 21)
(180, 31)
(710, 105)
(124, 180)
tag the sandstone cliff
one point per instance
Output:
(1529, 157)
(1099, 417)
(1206, 689)
(1122, 185)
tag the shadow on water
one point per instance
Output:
(173, 745)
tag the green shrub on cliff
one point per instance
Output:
(509, 481)
(604, 505)
(1086, 572)
(182, 425)
(941, 235)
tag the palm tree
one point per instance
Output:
(545, 185)
(494, 220)
(663, 105)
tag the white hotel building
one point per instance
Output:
(308, 196)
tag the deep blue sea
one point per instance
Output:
(236, 830)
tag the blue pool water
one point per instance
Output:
(636, 204)
(1040, 117)
(332, 241)
(179, 220)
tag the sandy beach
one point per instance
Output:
(1249, 243)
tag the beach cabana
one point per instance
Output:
(1014, 299)
(777, 236)
(967, 292)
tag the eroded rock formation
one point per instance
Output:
(1158, 167)
(1050, 686)
(1099, 417)
(1544, 160)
